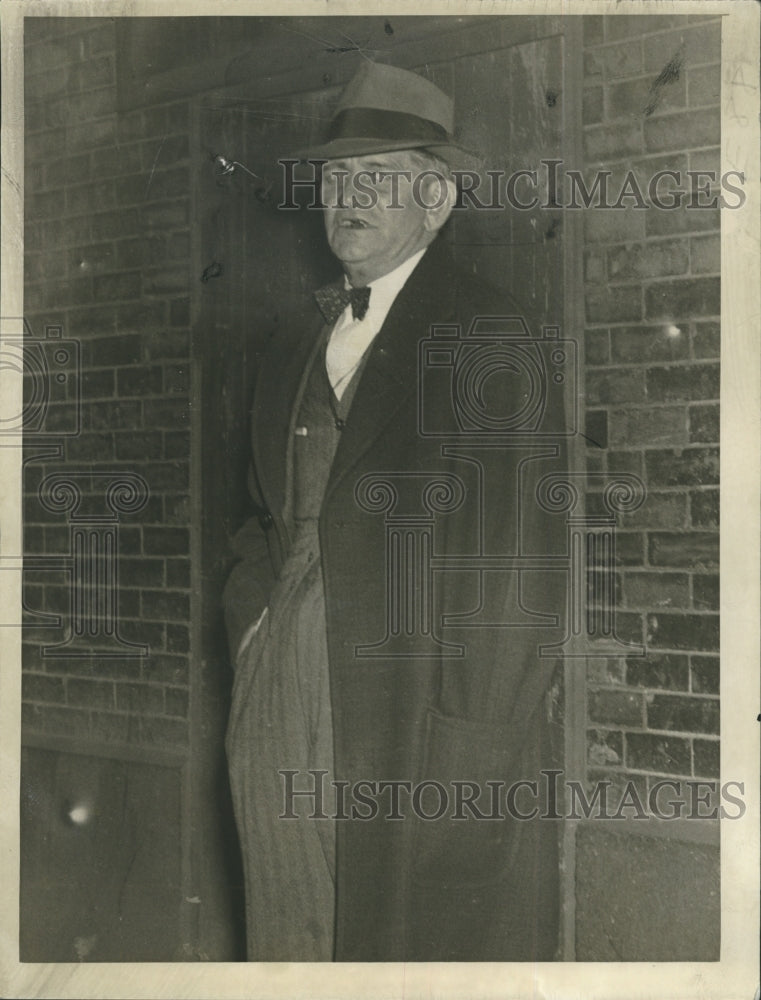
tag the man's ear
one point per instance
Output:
(440, 195)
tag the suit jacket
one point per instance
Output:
(462, 705)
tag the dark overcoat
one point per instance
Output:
(462, 701)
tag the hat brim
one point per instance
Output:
(458, 157)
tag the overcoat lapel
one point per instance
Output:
(278, 389)
(390, 374)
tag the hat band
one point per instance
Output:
(377, 123)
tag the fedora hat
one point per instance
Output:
(383, 109)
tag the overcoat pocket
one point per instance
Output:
(463, 833)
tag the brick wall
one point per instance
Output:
(107, 252)
(652, 300)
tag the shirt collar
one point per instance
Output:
(385, 289)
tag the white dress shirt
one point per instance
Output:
(350, 338)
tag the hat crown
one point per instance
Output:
(388, 88)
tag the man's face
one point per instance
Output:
(375, 223)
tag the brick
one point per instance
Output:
(639, 97)
(179, 312)
(117, 161)
(140, 250)
(618, 26)
(113, 727)
(177, 573)
(604, 748)
(606, 670)
(140, 698)
(596, 428)
(143, 380)
(705, 593)
(656, 590)
(662, 671)
(615, 385)
(626, 461)
(603, 225)
(167, 413)
(593, 29)
(163, 732)
(177, 510)
(177, 639)
(662, 754)
(684, 130)
(92, 74)
(110, 287)
(613, 142)
(118, 414)
(687, 216)
(648, 260)
(660, 510)
(102, 37)
(45, 146)
(105, 225)
(704, 86)
(167, 476)
(593, 65)
(167, 344)
(163, 605)
(689, 467)
(164, 215)
(168, 669)
(168, 150)
(142, 317)
(166, 281)
(706, 758)
(147, 444)
(130, 540)
(629, 627)
(63, 721)
(91, 319)
(684, 631)
(704, 509)
(705, 255)
(623, 59)
(613, 305)
(592, 105)
(84, 198)
(617, 708)
(92, 259)
(706, 159)
(90, 693)
(40, 87)
(648, 427)
(704, 674)
(92, 134)
(695, 45)
(683, 383)
(40, 687)
(139, 632)
(692, 550)
(90, 448)
(683, 714)
(177, 702)
(704, 424)
(166, 541)
(65, 232)
(596, 347)
(117, 350)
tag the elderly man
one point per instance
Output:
(382, 703)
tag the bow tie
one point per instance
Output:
(333, 299)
